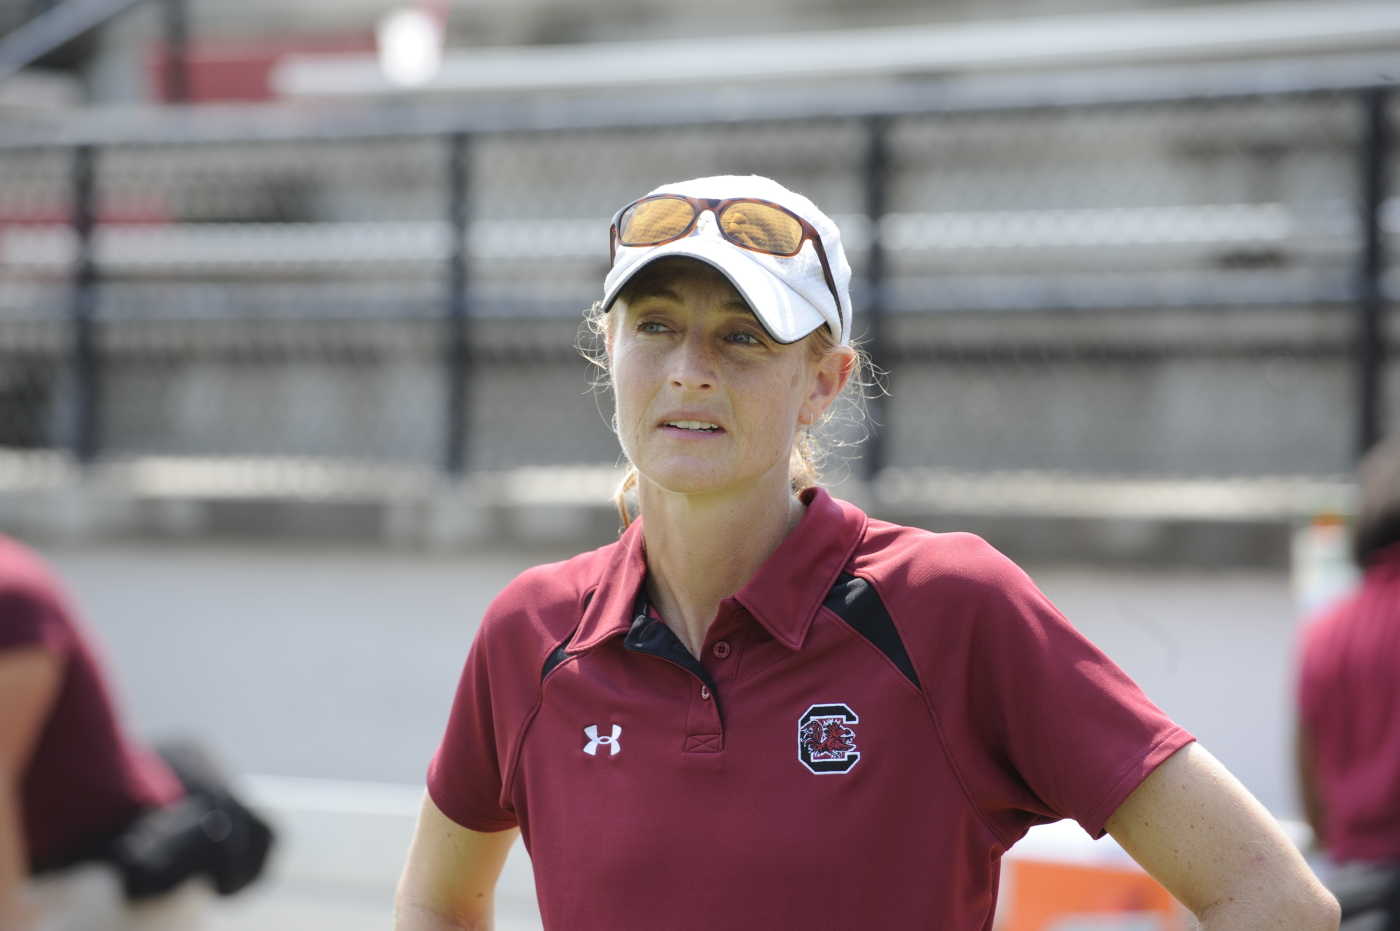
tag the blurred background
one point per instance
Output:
(291, 294)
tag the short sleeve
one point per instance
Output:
(499, 693)
(465, 779)
(1042, 723)
(27, 619)
(1070, 724)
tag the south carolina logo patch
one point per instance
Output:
(826, 742)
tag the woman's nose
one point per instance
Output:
(693, 367)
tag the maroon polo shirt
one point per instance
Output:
(85, 778)
(874, 719)
(1349, 698)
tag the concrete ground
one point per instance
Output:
(328, 674)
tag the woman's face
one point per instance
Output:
(706, 400)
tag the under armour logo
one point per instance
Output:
(614, 748)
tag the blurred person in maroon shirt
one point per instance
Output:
(70, 781)
(1349, 712)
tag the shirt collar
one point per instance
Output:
(783, 595)
(610, 611)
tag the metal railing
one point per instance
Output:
(881, 228)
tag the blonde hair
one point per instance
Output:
(812, 447)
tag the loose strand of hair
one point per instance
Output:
(629, 482)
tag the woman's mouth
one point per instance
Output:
(695, 426)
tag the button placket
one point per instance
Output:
(704, 732)
(722, 656)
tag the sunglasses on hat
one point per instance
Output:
(749, 223)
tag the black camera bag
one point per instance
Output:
(208, 832)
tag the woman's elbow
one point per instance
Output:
(1287, 905)
(1319, 910)
(1311, 908)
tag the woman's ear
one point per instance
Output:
(830, 376)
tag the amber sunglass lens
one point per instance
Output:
(762, 227)
(654, 221)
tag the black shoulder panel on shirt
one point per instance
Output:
(855, 601)
(561, 652)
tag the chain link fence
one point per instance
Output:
(1167, 289)
(1125, 290)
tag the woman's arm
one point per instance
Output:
(449, 881)
(1200, 833)
(29, 681)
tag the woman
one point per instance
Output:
(1349, 711)
(761, 709)
(70, 779)
(98, 833)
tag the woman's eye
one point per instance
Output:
(745, 338)
(651, 326)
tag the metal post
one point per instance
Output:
(1370, 304)
(84, 308)
(177, 66)
(876, 170)
(458, 360)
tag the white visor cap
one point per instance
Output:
(789, 294)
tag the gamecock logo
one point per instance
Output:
(826, 742)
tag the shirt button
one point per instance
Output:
(721, 649)
(705, 692)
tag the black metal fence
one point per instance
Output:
(1186, 283)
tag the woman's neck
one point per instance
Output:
(702, 549)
